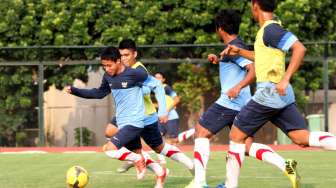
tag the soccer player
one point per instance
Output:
(236, 73)
(152, 135)
(171, 128)
(123, 83)
(274, 99)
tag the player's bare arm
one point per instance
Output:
(249, 78)
(297, 57)
(232, 50)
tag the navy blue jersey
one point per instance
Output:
(126, 92)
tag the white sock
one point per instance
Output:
(123, 154)
(322, 139)
(267, 154)
(201, 157)
(161, 158)
(185, 135)
(234, 162)
(152, 165)
(175, 154)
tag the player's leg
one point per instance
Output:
(153, 138)
(115, 148)
(172, 131)
(185, 135)
(110, 130)
(163, 131)
(214, 119)
(160, 172)
(290, 121)
(265, 153)
(249, 120)
(201, 157)
(297, 130)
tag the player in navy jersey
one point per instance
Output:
(235, 73)
(125, 86)
(151, 133)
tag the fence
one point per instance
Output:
(44, 56)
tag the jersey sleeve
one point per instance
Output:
(241, 61)
(277, 37)
(94, 93)
(141, 75)
(156, 86)
(169, 91)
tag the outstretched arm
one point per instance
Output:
(232, 50)
(94, 93)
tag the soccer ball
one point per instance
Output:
(77, 177)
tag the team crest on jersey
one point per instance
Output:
(124, 84)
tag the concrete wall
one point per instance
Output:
(64, 112)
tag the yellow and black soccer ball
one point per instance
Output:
(77, 177)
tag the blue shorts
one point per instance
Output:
(151, 135)
(170, 129)
(126, 135)
(254, 115)
(217, 117)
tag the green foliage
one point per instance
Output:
(194, 83)
(86, 136)
(79, 22)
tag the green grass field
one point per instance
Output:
(317, 168)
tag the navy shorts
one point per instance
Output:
(254, 115)
(126, 135)
(151, 135)
(170, 129)
(216, 117)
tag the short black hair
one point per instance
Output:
(266, 5)
(127, 44)
(228, 20)
(110, 53)
(162, 74)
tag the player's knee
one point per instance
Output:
(237, 136)
(109, 146)
(110, 131)
(301, 142)
(159, 148)
(201, 132)
(300, 137)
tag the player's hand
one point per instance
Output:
(163, 119)
(68, 89)
(213, 58)
(233, 92)
(230, 50)
(281, 87)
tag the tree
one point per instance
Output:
(79, 22)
